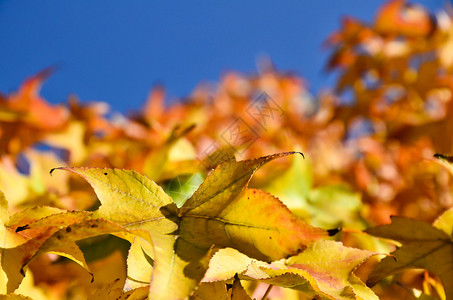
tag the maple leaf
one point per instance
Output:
(221, 213)
(422, 246)
(21, 227)
(324, 269)
(140, 264)
(37, 230)
(63, 241)
(60, 240)
(21, 243)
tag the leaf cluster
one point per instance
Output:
(195, 219)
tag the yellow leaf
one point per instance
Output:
(446, 161)
(423, 246)
(225, 263)
(13, 184)
(255, 223)
(51, 239)
(13, 260)
(224, 184)
(130, 199)
(139, 264)
(71, 138)
(178, 267)
(63, 241)
(32, 222)
(445, 222)
(324, 270)
(29, 289)
(221, 212)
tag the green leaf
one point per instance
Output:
(182, 188)
(326, 206)
(335, 206)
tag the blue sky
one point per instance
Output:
(114, 51)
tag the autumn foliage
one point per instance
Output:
(249, 189)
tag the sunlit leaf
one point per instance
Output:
(32, 222)
(324, 269)
(63, 241)
(225, 263)
(445, 222)
(256, 223)
(219, 213)
(140, 264)
(423, 246)
(130, 199)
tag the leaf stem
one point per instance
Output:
(267, 292)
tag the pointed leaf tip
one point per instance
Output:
(53, 169)
(334, 231)
(445, 160)
(448, 158)
(297, 152)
